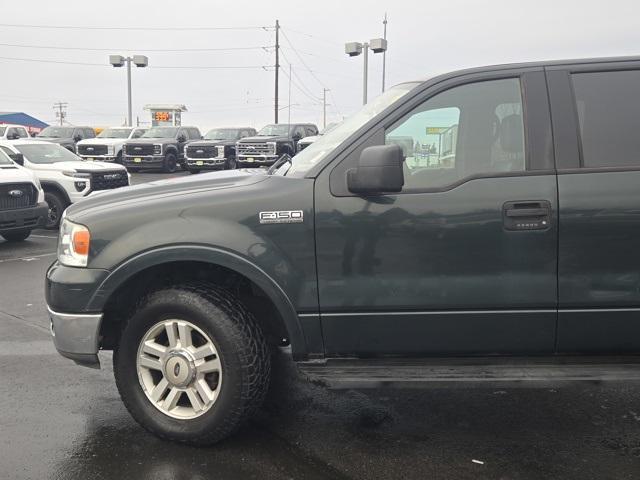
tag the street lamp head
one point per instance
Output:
(353, 49)
(378, 45)
(116, 60)
(140, 60)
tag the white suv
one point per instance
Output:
(107, 146)
(13, 132)
(64, 176)
(22, 205)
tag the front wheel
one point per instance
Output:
(16, 236)
(192, 364)
(56, 206)
(231, 164)
(170, 163)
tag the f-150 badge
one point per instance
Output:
(282, 216)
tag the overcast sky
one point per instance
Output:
(425, 37)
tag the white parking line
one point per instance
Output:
(27, 259)
(42, 236)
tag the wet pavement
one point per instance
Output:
(61, 421)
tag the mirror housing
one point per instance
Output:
(18, 158)
(379, 171)
(182, 138)
(77, 138)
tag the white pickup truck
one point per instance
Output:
(107, 146)
(64, 176)
(13, 132)
(22, 205)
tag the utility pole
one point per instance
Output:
(365, 51)
(384, 55)
(277, 68)
(324, 107)
(61, 112)
(289, 119)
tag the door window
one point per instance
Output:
(471, 130)
(608, 108)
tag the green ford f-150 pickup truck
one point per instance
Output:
(479, 225)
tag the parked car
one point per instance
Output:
(64, 176)
(107, 145)
(22, 205)
(306, 141)
(66, 136)
(506, 252)
(13, 132)
(159, 147)
(271, 143)
(217, 150)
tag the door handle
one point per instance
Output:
(527, 215)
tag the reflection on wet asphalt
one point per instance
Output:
(61, 421)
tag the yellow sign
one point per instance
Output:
(436, 130)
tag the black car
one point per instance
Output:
(271, 143)
(216, 151)
(159, 148)
(500, 244)
(66, 136)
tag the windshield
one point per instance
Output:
(221, 134)
(319, 149)
(161, 132)
(47, 153)
(274, 130)
(57, 132)
(115, 133)
(4, 159)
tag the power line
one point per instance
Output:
(161, 29)
(322, 39)
(87, 49)
(302, 60)
(309, 92)
(188, 67)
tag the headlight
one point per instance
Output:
(157, 149)
(76, 174)
(73, 244)
(110, 149)
(272, 147)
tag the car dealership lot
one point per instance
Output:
(62, 421)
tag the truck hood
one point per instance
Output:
(15, 173)
(136, 195)
(273, 138)
(146, 141)
(102, 141)
(210, 143)
(77, 166)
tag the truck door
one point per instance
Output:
(596, 117)
(464, 259)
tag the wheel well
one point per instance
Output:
(122, 302)
(53, 188)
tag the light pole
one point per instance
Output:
(353, 49)
(119, 61)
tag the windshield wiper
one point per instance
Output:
(278, 163)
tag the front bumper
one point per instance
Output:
(76, 336)
(256, 160)
(143, 161)
(101, 158)
(21, 218)
(206, 163)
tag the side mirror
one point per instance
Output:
(182, 138)
(77, 138)
(297, 137)
(18, 158)
(379, 171)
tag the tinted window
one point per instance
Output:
(608, 106)
(89, 133)
(46, 153)
(194, 134)
(6, 150)
(466, 131)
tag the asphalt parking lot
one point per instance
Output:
(61, 421)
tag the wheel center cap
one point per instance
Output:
(179, 369)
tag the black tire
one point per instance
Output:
(170, 163)
(243, 352)
(231, 164)
(16, 236)
(56, 207)
(119, 158)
